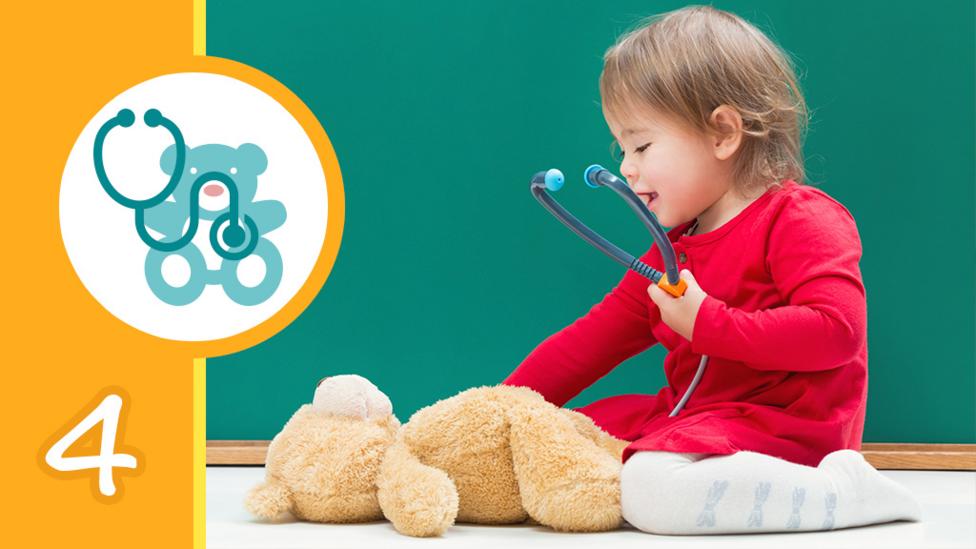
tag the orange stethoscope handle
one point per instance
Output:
(677, 290)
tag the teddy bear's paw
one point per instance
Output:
(421, 504)
(268, 500)
(351, 396)
(419, 500)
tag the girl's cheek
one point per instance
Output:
(660, 172)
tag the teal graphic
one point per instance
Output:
(246, 221)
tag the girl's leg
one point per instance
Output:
(673, 493)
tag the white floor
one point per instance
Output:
(948, 499)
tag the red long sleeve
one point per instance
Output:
(572, 359)
(812, 258)
(784, 326)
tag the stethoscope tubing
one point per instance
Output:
(596, 176)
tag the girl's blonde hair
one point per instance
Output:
(687, 62)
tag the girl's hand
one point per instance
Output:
(679, 312)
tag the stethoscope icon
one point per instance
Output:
(233, 236)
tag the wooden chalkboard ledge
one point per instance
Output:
(956, 457)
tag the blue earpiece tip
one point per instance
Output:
(125, 118)
(589, 171)
(554, 180)
(153, 118)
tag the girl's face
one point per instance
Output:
(678, 173)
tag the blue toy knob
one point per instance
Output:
(591, 171)
(554, 180)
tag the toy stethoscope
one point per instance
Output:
(596, 176)
(233, 236)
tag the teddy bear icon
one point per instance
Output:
(211, 185)
(214, 199)
(488, 455)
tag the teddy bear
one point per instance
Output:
(242, 165)
(488, 455)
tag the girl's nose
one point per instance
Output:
(628, 170)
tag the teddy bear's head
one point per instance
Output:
(243, 165)
(323, 464)
(351, 396)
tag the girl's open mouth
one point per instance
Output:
(649, 198)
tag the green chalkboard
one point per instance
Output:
(450, 273)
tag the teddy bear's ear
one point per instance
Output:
(167, 162)
(252, 158)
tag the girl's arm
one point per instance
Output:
(813, 254)
(573, 358)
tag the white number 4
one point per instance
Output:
(107, 412)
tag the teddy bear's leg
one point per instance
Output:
(586, 427)
(418, 499)
(566, 481)
(268, 500)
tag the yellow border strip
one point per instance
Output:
(199, 27)
(199, 453)
(199, 364)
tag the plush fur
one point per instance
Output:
(489, 455)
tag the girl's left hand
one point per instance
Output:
(679, 312)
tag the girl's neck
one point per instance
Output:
(722, 211)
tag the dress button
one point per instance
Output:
(682, 257)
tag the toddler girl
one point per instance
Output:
(709, 119)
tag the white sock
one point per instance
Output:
(673, 493)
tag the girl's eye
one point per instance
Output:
(642, 148)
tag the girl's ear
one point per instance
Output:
(726, 137)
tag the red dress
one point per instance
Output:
(784, 326)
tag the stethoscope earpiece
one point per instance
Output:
(554, 180)
(589, 175)
(153, 118)
(125, 118)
